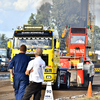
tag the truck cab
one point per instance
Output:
(78, 42)
(77, 54)
(34, 36)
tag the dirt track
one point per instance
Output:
(7, 91)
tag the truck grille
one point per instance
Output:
(44, 57)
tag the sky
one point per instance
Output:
(15, 13)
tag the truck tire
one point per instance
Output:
(57, 83)
(68, 81)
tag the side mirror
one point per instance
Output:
(9, 44)
(57, 44)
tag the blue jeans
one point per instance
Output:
(19, 86)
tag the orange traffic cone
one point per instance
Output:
(89, 92)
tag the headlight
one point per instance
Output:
(48, 77)
(48, 70)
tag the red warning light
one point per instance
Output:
(90, 26)
(66, 26)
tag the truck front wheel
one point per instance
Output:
(57, 83)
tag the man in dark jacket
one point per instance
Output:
(20, 80)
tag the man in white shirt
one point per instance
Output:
(80, 41)
(36, 76)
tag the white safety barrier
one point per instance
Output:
(48, 92)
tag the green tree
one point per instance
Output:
(58, 15)
(32, 19)
(65, 12)
(96, 38)
(3, 41)
(43, 14)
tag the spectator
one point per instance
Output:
(36, 77)
(20, 80)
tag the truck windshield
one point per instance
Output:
(36, 42)
(3, 53)
(77, 39)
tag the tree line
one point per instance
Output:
(59, 14)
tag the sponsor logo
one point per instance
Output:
(76, 51)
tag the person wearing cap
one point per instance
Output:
(20, 80)
(36, 77)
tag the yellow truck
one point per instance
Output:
(34, 36)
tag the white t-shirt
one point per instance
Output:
(38, 66)
(80, 41)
